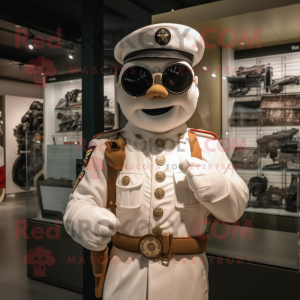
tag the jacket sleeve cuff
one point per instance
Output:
(226, 208)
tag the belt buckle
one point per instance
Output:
(150, 246)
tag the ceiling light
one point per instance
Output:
(71, 51)
(204, 68)
(30, 41)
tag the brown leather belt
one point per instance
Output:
(162, 247)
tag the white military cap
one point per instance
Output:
(165, 40)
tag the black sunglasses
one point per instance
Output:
(176, 78)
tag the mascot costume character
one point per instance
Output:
(149, 187)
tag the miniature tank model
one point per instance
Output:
(247, 78)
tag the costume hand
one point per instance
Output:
(94, 228)
(208, 184)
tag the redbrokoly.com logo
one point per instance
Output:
(39, 258)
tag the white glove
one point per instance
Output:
(207, 184)
(92, 227)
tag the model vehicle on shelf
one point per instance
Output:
(246, 78)
(273, 197)
(279, 84)
(270, 144)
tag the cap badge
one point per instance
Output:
(162, 36)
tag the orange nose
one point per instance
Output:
(157, 90)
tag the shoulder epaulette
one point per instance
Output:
(106, 134)
(205, 133)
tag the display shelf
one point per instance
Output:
(271, 211)
(265, 140)
(266, 126)
(245, 96)
(285, 94)
(242, 171)
(48, 221)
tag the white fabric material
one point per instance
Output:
(93, 227)
(203, 181)
(88, 222)
(183, 38)
(131, 275)
(181, 278)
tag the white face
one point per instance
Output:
(181, 106)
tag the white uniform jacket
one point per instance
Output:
(131, 275)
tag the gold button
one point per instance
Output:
(159, 193)
(158, 213)
(160, 176)
(138, 136)
(125, 180)
(160, 160)
(159, 143)
(157, 231)
(181, 135)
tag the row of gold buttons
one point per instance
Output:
(159, 193)
(160, 177)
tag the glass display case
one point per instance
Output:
(52, 164)
(54, 154)
(63, 103)
(262, 140)
(51, 170)
(52, 161)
